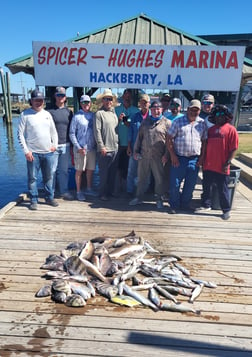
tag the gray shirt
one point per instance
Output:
(105, 130)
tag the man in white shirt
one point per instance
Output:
(38, 138)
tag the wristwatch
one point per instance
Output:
(228, 162)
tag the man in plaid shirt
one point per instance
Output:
(186, 141)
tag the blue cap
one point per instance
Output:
(36, 94)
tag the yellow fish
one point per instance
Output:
(125, 300)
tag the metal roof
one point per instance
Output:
(140, 29)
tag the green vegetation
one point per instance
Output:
(245, 143)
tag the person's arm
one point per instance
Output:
(98, 133)
(21, 138)
(54, 135)
(170, 148)
(231, 156)
(202, 153)
(138, 143)
(72, 133)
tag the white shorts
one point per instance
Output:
(83, 162)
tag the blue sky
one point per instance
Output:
(25, 21)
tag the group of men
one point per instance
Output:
(132, 147)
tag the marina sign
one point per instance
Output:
(217, 68)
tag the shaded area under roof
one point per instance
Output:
(138, 30)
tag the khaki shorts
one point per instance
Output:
(81, 163)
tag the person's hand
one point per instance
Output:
(53, 148)
(137, 156)
(200, 162)
(121, 116)
(82, 151)
(103, 152)
(174, 160)
(29, 156)
(129, 151)
(164, 160)
(225, 168)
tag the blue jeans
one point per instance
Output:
(43, 162)
(60, 168)
(132, 175)
(187, 171)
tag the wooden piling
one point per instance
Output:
(8, 95)
(5, 100)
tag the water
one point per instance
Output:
(13, 174)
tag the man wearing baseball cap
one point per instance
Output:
(84, 147)
(144, 105)
(207, 104)
(186, 141)
(165, 100)
(62, 117)
(38, 138)
(151, 152)
(175, 106)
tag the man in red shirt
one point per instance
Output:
(222, 144)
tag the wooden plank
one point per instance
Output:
(212, 249)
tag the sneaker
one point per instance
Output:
(226, 215)
(203, 208)
(33, 206)
(80, 196)
(90, 192)
(159, 204)
(68, 196)
(52, 203)
(173, 211)
(165, 197)
(135, 202)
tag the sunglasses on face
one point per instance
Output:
(156, 107)
(108, 99)
(207, 103)
(60, 95)
(175, 105)
(219, 114)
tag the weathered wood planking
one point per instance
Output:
(211, 249)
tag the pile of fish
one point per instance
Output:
(126, 270)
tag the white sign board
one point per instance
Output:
(216, 68)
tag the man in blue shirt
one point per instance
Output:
(137, 119)
(124, 112)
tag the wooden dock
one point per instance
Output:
(212, 249)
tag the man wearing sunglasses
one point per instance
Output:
(125, 112)
(186, 142)
(222, 144)
(207, 104)
(165, 100)
(151, 152)
(38, 138)
(106, 136)
(175, 107)
(84, 147)
(62, 117)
